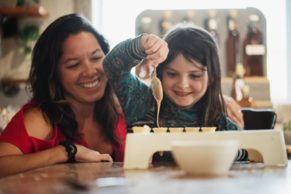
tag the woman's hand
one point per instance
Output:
(233, 110)
(87, 155)
(155, 48)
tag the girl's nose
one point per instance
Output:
(183, 82)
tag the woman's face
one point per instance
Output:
(80, 68)
(184, 82)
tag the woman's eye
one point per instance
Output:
(72, 65)
(96, 58)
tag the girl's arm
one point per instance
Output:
(134, 95)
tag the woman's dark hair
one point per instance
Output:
(195, 43)
(47, 91)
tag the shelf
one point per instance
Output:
(13, 81)
(23, 11)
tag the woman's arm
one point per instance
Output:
(12, 160)
(17, 155)
(234, 111)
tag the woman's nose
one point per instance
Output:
(89, 68)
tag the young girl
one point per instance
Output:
(190, 77)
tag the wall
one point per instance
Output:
(288, 23)
(83, 7)
(12, 63)
(199, 17)
(56, 8)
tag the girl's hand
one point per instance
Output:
(155, 48)
(87, 155)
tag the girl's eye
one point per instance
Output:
(197, 76)
(171, 74)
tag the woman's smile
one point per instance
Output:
(90, 84)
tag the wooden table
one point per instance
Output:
(112, 178)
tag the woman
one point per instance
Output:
(72, 115)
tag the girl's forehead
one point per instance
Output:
(181, 63)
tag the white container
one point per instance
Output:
(205, 158)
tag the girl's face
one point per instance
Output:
(184, 82)
(80, 68)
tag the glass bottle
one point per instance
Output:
(232, 44)
(189, 18)
(254, 49)
(240, 90)
(246, 100)
(145, 25)
(166, 23)
(238, 83)
(210, 24)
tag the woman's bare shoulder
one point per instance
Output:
(36, 124)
